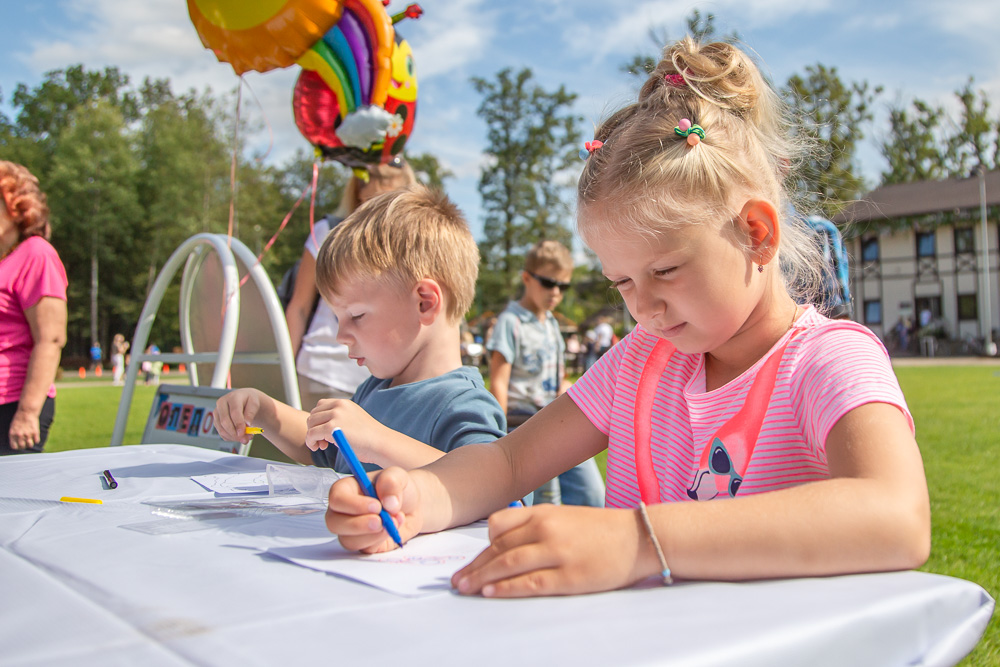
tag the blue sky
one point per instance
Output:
(920, 48)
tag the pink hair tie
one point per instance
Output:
(589, 147)
(675, 80)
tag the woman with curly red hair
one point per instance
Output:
(32, 313)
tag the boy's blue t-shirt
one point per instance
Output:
(445, 412)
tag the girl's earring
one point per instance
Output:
(760, 268)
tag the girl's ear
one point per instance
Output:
(761, 222)
(430, 299)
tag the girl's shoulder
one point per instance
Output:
(816, 332)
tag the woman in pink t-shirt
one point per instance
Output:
(32, 313)
(748, 436)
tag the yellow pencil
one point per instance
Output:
(70, 499)
(253, 430)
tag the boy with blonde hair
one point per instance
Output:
(527, 363)
(399, 274)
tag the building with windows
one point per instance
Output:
(917, 254)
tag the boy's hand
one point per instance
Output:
(354, 516)
(363, 431)
(555, 550)
(234, 412)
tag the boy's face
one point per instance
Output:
(544, 288)
(378, 321)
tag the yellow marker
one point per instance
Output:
(253, 430)
(70, 499)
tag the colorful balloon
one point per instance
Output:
(356, 97)
(262, 35)
(365, 135)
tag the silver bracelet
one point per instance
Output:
(667, 579)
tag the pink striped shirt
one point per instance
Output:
(829, 368)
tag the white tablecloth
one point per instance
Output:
(77, 589)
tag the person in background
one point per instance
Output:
(323, 367)
(32, 313)
(119, 348)
(605, 336)
(96, 355)
(151, 369)
(528, 368)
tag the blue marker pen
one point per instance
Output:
(366, 484)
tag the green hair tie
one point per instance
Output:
(693, 133)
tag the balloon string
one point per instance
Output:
(267, 122)
(288, 216)
(312, 205)
(232, 166)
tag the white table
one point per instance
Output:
(76, 589)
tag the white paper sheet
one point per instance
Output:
(233, 483)
(422, 567)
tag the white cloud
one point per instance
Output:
(450, 36)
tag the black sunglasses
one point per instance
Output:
(548, 283)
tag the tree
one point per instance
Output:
(831, 116)
(429, 171)
(913, 148)
(532, 142)
(926, 143)
(95, 207)
(977, 138)
(46, 109)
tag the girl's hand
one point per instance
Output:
(363, 431)
(234, 412)
(354, 516)
(558, 550)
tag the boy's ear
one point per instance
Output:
(761, 221)
(430, 299)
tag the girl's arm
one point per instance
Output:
(468, 483)
(872, 515)
(303, 297)
(47, 321)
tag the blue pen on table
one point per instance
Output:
(366, 484)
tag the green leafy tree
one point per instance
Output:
(45, 110)
(914, 148)
(532, 142)
(831, 115)
(976, 140)
(95, 206)
(429, 171)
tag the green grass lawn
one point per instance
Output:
(957, 414)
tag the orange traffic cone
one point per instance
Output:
(166, 369)
(181, 368)
(98, 371)
(83, 373)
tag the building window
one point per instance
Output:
(926, 244)
(968, 307)
(873, 312)
(964, 240)
(869, 249)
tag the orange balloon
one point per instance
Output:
(264, 34)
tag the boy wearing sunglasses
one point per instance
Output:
(527, 363)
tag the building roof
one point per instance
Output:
(923, 198)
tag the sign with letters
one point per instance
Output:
(185, 415)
